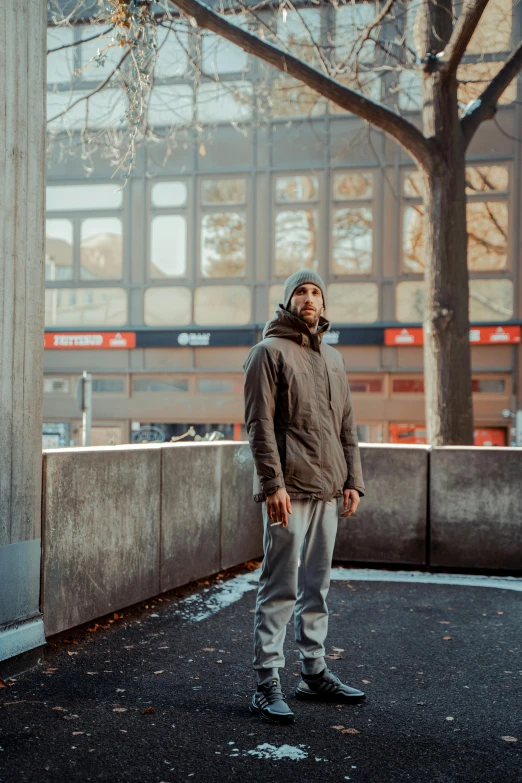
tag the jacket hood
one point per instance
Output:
(285, 324)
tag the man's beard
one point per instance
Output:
(313, 323)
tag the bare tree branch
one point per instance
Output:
(485, 106)
(93, 92)
(461, 35)
(81, 41)
(406, 134)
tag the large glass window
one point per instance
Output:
(58, 250)
(220, 385)
(229, 101)
(487, 220)
(223, 228)
(160, 384)
(108, 385)
(352, 223)
(168, 306)
(101, 249)
(85, 307)
(100, 55)
(169, 194)
(172, 59)
(275, 297)
(79, 197)
(219, 56)
(168, 246)
(489, 300)
(222, 305)
(493, 33)
(296, 229)
(171, 105)
(60, 64)
(351, 22)
(299, 31)
(291, 98)
(351, 303)
(82, 109)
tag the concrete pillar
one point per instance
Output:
(22, 213)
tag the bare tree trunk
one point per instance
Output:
(447, 363)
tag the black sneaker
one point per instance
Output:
(269, 703)
(328, 687)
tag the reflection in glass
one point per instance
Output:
(104, 109)
(172, 59)
(108, 385)
(72, 197)
(410, 97)
(101, 55)
(412, 184)
(352, 303)
(223, 244)
(86, 307)
(58, 250)
(349, 185)
(474, 78)
(160, 385)
(352, 20)
(493, 32)
(224, 101)
(488, 385)
(487, 235)
(490, 300)
(168, 246)
(223, 191)
(218, 305)
(295, 241)
(486, 179)
(169, 194)
(101, 249)
(275, 297)
(60, 65)
(221, 56)
(352, 241)
(171, 105)
(298, 188)
(410, 301)
(168, 306)
(366, 385)
(290, 98)
(220, 385)
(413, 238)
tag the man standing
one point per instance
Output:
(302, 433)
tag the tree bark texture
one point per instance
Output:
(447, 354)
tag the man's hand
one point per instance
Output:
(351, 501)
(278, 506)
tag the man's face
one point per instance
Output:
(307, 303)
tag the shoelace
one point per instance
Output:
(272, 692)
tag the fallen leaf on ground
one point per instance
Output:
(94, 628)
(2, 683)
(62, 709)
(367, 682)
(91, 672)
(117, 616)
(50, 671)
(76, 733)
(338, 649)
(70, 717)
(148, 711)
(500, 612)
(72, 652)
(208, 649)
(334, 656)
(444, 622)
(450, 718)
(350, 731)
(160, 671)
(338, 728)
(446, 638)
(509, 739)
(120, 709)
(70, 641)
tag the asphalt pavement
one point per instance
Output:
(159, 693)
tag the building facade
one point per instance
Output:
(160, 289)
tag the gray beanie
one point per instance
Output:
(297, 279)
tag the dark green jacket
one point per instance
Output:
(298, 413)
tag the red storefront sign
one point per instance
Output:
(89, 340)
(478, 335)
(494, 335)
(403, 336)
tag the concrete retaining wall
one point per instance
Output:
(476, 507)
(124, 523)
(390, 525)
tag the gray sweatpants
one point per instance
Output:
(295, 577)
